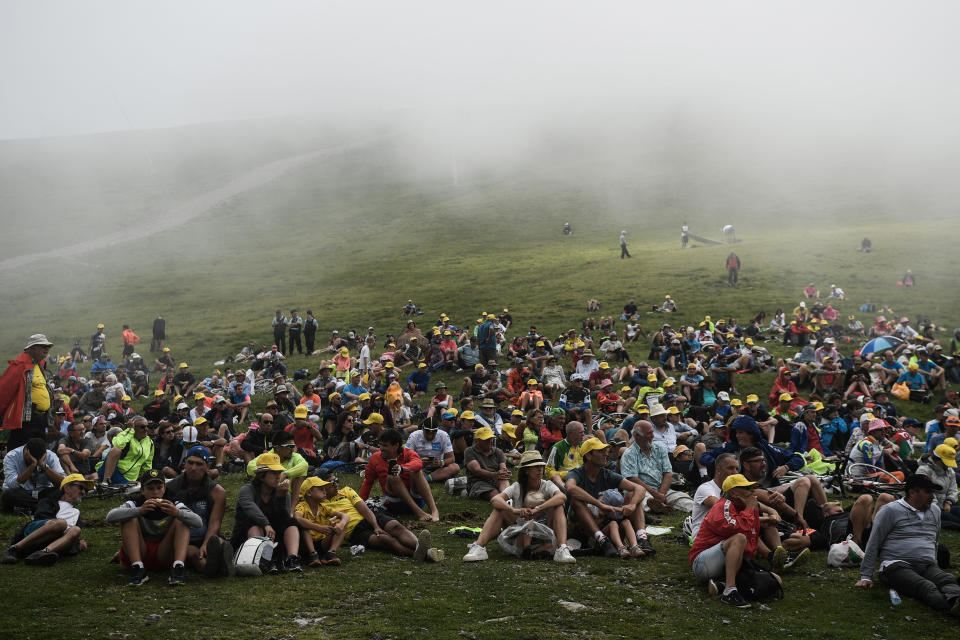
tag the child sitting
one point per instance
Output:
(320, 525)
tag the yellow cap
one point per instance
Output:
(947, 454)
(737, 480)
(310, 483)
(200, 420)
(652, 377)
(950, 442)
(99, 326)
(736, 402)
(818, 405)
(468, 415)
(125, 399)
(675, 411)
(786, 397)
(510, 429)
(668, 383)
(592, 444)
(268, 462)
(749, 341)
(753, 398)
(532, 382)
(199, 396)
(374, 418)
(604, 365)
(483, 433)
(183, 365)
(158, 393)
(388, 365)
(76, 477)
(422, 365)
(301, 411)
(625, 389)
(363, 396)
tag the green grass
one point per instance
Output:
(353, 238)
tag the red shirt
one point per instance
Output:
(549, 436)
(813, 439)
(378, 468)
(724, 520)
(303, 436)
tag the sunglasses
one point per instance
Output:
(266, 422)
(289, 446)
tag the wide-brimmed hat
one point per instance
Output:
(532, 459)
(38, 339)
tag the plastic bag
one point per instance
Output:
(538, 533)
(845, 554)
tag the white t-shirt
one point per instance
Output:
(364, 364)
(436, 448)
(704, 491)
(68, 513)
(548, 489)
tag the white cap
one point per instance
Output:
(190, 434)
(723, 395)
(183, 405)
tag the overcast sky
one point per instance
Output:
(74, 67)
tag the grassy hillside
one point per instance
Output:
(356, 236)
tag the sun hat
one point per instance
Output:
(532, 459)
(38, 339)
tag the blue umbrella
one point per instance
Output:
(880, 344)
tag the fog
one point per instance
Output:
(715, 102)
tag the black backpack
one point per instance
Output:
(835, 527)
(755, 583)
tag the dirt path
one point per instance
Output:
(186, 211)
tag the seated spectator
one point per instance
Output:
(208, 552)
(320, 526)
(530, 498)
(167, 451)
(55, 530)
(565, 454)
(645, 462)
(294, 466)
(130, 457)
(418, 382)
(74, 453)
(379, 531)
(154, 531)
(30, 473)
(709, 493)
(940, 467)
(904, 544)
(306, 436)
(263, 509)
(435, 449)
(487, 473)
(612, 526)
(399, 471)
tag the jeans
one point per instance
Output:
(925, 582)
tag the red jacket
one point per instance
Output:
(13, 387)
(724, 520)
(378, 468)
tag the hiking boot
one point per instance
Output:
(563, 556)
(423, 545)
(796, 559)
(10, 556)
(646, 546)
(607, 549)
(214, 565)
(313, 559)
(330, 559)
(292, 565)
(178, 575)
(138, 575)
(227, 553)
(778, 558)
(475, 554)
(734, 599)
(42, 559)
(435, 555)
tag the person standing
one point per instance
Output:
(684, 235)
(97, 343)
(24, 395)
(159, 334)
(295, 325)
(310, 326)
(280, 331)
(623, 245)
(129, 340)
(733, 269)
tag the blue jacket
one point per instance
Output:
(775, 455)
(837, 426)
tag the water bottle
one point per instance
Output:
(895, 597)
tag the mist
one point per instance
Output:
(767, 108)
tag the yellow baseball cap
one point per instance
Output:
(510, 429)
(736, 402)
(268, 462)
(753, 398)
(76, 477)
(483, 433)
(947, 454)
(374, 418)
(166, 349)
(652, 377)
(363, 396)
(668, 383)
(200, 420)
(950, 442)
(592, 444)
(818, 405)
(310, 483)
(199, 396)
(674, 410)
(786, 397)
(532, 382)
(183, 365)
(604, 365)
(468, 415)
(737, 480)
(158, 393)
(388, 365)
(301, 411)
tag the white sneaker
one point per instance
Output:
(475, 554)
(450, 485)
(563, 556)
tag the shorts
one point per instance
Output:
(364, 531)
(150, 557)
(710, 563)
(33, 526)
(397, 506)
(479, 489)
